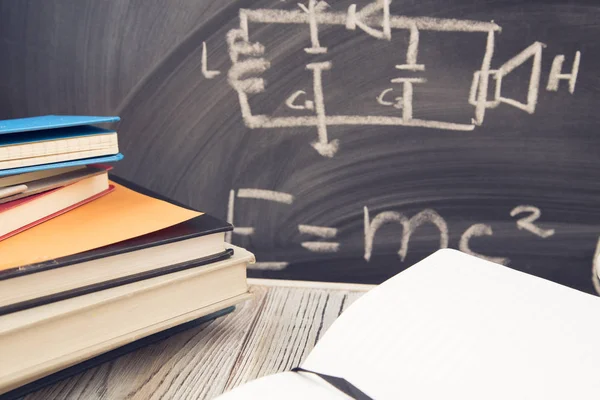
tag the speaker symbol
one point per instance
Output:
(534, 53)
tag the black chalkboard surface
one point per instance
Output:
(346, 140)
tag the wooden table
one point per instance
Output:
(271, 333)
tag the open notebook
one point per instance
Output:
(454, 327)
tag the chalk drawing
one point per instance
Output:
(411, 52)
(556, 73)
(290, 101)
(397, 103)
(245, 193)
(407, 96)
(314, 27)
(241, 69)
(244, 231)
(269, 265)
(323, 146)
(478, 230)
(408, 80)
(322, 232)
(262, 121)
(527, 223)
(407, 67)
(269, 195)
(319, 6)
(260, 194)
(375, 20)
(321, 247)
(270, 16)
(409, 225)
(475, 85)
(237, 42)
(207, 74)
(230, 205)
(535, 51)
(358, 19)
(480, 104)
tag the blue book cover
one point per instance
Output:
(84, 161)
(50, 122)
(53, 127)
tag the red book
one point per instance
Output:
(19, 215)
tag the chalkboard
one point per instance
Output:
(346, 140)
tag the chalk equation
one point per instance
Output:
(526, 218)
(374, 19)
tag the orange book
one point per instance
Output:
(120, 215)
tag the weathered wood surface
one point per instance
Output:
(273, 332)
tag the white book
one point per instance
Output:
(40, 341)
(454, 327)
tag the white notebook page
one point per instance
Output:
(454, 326)
(285, 386)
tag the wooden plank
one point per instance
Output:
(273, 332)
(311, 284)
(288, 326)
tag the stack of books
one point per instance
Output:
(89, 262)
